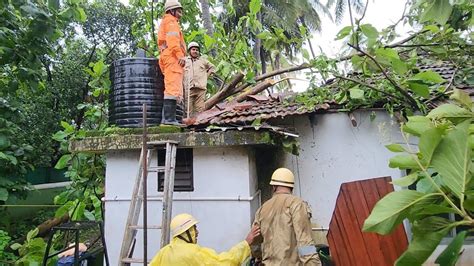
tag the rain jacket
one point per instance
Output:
(172, 47)
(285, 226)
(181, 253)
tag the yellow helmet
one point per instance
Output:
(283, 177)
(181, 223)
(172, 4)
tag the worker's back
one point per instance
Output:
(181, 253)
(285, 226)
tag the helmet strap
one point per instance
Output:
(189, 238)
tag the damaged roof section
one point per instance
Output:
(254, 108)
(261, 108)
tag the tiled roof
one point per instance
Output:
(264, 108)
(246, 112)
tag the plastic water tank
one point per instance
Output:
(135, 81)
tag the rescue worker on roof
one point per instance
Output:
(285, 225)
(196, 72)
(172, 59)
(183, 249)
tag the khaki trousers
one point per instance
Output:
(197, 97)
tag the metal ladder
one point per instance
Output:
(139, 198)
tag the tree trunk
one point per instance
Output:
(206, 18)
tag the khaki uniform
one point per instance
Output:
(196, 72)
(285, 225)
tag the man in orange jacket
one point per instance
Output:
(172, 59)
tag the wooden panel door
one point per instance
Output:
(347, 243)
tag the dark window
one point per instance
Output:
(183, 180)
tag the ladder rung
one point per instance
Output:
(141, 227)
(156, 169)
(133, 260)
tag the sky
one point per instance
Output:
(380, 13)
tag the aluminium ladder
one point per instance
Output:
(139, 195)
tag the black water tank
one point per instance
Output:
(135, 81)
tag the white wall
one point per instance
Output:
(333, 151)
(222, 176)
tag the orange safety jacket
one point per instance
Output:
(172, 47)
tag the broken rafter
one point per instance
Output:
(225, 92)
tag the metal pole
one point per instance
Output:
(145, 174)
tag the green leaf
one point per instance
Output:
(395, 147)
(425, 185)
(356, 93)
(79, 212)
(4, 141)
(421, 89)
(63, 161)
(433, 209)
(422, 245)
(429, 140)
(59, 136)
(388, 53)
(343, 32)
(450, 255)
(53, 4)
(428, 77)
(15, 246)
(461, 97)
(392, 209)
(31, 234)
(404, 162)
(369, 31)
(437, 11)
(452, 159)
(3, 194)
(82, 14)
(255, 6)
(89, 215)
(416, 125)
(406, 180)
(399, 66)
(449, 111)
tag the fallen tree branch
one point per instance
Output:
(396, 86)
(255, 90)
(370, 86)
(225, 92)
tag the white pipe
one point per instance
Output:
(158, 198)
(319, 229)
(52, 185)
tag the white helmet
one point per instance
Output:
(172, 4)
(193, 44)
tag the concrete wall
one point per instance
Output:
(333, 151)
(224, 198)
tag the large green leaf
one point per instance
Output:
(437, 11)
(427, 234)
(428, 143)
(461, 97)
(451, 254)
(421, 89)
(449, 111)
(395, 147)
(63, 161)
(403, 162)
(392, 209)
(406, 180)
(452, 159)
(416, 125)
(369, 31)
(356, 93)
(428, 77)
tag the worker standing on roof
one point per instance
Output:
(284, 221)
(172, 59)
(196, 72)
(183, 249)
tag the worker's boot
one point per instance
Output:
(169, 112)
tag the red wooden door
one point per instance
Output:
(347, 243)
